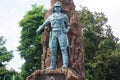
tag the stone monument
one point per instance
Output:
(75, 67)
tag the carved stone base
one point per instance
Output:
(58, 74)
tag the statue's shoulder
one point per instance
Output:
(51, 16)
(65, 15)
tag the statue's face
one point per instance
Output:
(57, 9)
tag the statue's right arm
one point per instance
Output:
(41, 27)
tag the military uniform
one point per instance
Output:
(59, 27)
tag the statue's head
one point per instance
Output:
(57, 7)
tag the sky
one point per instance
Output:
(12, 11)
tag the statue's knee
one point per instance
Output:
(63, 49)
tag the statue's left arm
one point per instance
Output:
(67, 23)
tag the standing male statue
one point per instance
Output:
(59, 28)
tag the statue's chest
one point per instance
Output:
(57, 19)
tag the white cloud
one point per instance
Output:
(25, 1)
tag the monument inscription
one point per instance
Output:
(51, 77)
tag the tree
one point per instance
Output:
(113, 64)
(100, 45)
(30, 47)
(5, 56)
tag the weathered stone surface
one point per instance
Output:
(76, 62)
(58, 74)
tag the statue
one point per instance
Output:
(60, 26)
(61, 34)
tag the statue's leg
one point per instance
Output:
(63, 41)
(53, 47)
(65, 57)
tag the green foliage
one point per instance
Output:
(16, 76)
(102, 50)
(5, 56)
(3, 72)
(30, 48)
(10, 75)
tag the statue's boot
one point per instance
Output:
(65, 58)
(53, 61)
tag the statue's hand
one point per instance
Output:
(65, 31)
(40, 29)
(37, 31)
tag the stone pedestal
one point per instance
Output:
(58, 74)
